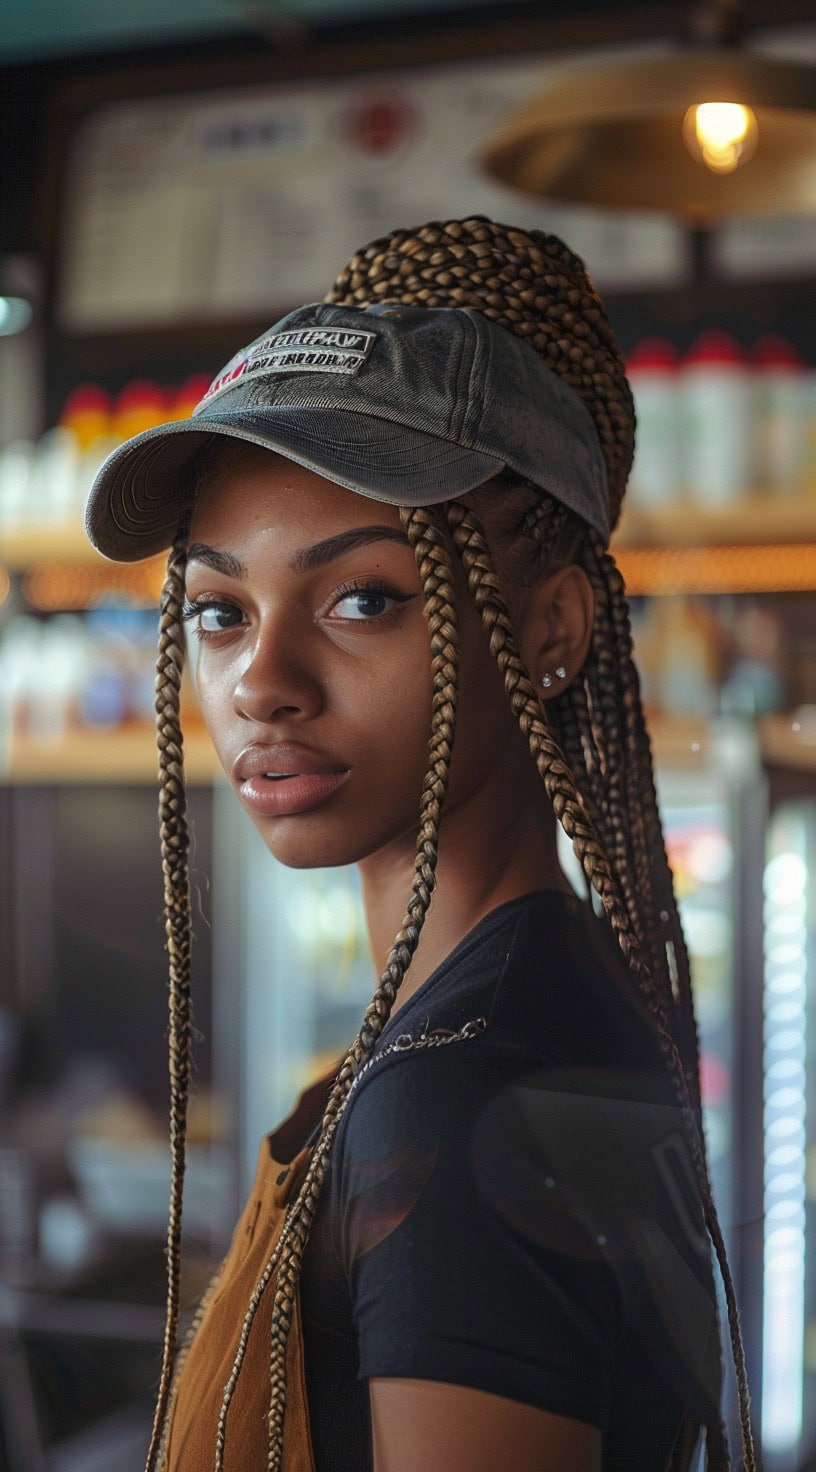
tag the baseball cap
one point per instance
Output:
(408, 405)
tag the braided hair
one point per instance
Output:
(591, 749)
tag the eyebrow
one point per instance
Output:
(307, 558)
(223, 562)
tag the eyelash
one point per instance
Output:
(377, 586)
(194, 608)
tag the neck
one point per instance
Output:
(495, 845)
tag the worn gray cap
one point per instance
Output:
(410, 405)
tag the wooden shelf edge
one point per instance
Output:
(759, 516)
(22, 548)
(125, 756)
(789, 741)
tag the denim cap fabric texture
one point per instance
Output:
(408, 405)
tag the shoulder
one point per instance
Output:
(553, 991)
(578, 1160)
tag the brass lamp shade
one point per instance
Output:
(613, 135)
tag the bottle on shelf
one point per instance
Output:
(185, 398)
(656, 478)
(53, 479)
(688, 658)
(717, 411)
(141, 405)
(780, 403)
(88, 413)
(15, 478)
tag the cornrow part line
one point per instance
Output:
(559, 783)
(178, 928)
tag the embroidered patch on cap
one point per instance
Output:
(305, 350)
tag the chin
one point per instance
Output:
(307, 842)
(298, 849)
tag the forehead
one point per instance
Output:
(249, 487)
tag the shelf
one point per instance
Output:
(789, 741)
(20, 548)
(127, 755)
(772, 567)
(765, 544)
(758, 517)
(679, 742)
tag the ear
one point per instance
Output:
(556, 629)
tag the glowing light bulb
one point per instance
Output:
(722, 135)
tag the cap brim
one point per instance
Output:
(136, 501)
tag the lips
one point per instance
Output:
(283, 779)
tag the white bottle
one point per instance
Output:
(716, 388)
(780, 399)
(57, 678)
(15, 480)
(53, 478)
(656, 476)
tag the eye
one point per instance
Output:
(210, 617)
(367, 602)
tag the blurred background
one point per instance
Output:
(174, 177)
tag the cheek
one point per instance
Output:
(214, 684)
(388, 714)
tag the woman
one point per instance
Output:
(484, 1243)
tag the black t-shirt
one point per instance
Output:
(516, 1210)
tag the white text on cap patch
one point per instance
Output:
(305, 350)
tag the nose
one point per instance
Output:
(278, 679)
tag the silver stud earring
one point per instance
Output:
(561, 673)
(546, 681)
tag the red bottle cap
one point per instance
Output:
(191, 392)
(86, 398)
(653, 354)
(87, 414)
(140, 405)
(715, 347)
(772, 352)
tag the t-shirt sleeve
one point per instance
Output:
(470, 1243)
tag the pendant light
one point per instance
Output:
(702, 132)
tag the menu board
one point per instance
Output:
(238, 202)
(772, 245)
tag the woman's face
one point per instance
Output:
(313, 668)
